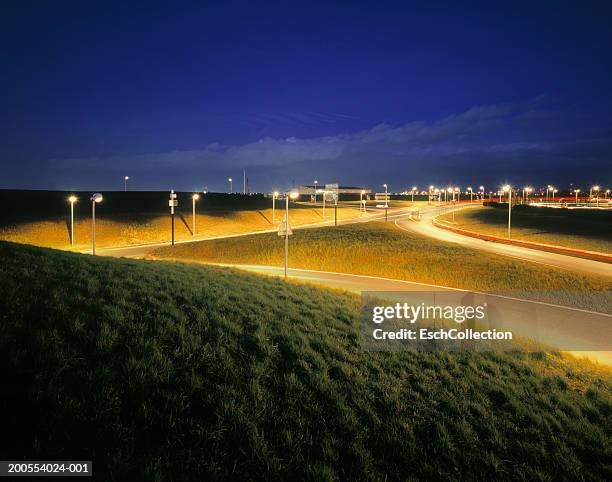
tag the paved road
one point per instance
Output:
(566, 328)
(372, 214)
(426, 228)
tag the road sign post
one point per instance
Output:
(285, 230)
(172, 202)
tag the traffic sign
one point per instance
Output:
(284, 229)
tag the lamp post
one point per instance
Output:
(483, 191)
(386, 196)
(471, 193)
(576, 191)
(431, 189)
(361, 204)
(458, 191)
(72, 199)
(507, 188)
(315, 190)
(230, 185)
(607, 193)
(125, 180)
(293, 195)
(274, 196)
(96, 198)
(596, 189)
(194, 198)
(555, 191)
(413, 190)
(439, 193)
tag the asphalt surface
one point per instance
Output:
(572, 263)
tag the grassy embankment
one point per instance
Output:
(159, 371)
(382, 249)
(141, 218)
(547, 226)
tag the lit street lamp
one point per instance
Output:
(607, 193)
(96, 198)
(274, 196)
(507, 188)
(230, 185)
(194, 198)
(386, 196)
(413, 190)
(361, 203)
(125, 180)
(483, 191)
(315, 189)
(292, 195)
(72, 199)
(471, 193)
(458, 191)
(576, 191)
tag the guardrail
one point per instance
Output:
(580, 253)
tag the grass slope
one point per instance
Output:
(549, 226)
(161, 371)
(122, 229)
(382, 249)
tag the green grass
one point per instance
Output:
(382, 249)
(540, 225)
(159, 371)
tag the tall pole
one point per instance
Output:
(72, 200)
(194, 198)
(93, 228)
(509, 209)
(336, 211)
(230, 185)
(324, 193)
(274, 194)
(576, 191)
(386, 198)
(286, 234)
(125, 180)
(244, 182)
(315, 190)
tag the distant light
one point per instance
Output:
(196, 196)
(384, 185)
(469, 188)
(481, 188)
(414, 188)
(97, 198)
(126, 178)
(275, 193)
(229, 179)
(294, 194)
(363, 191)
(506, 188)
(595, 188)
(72, 199)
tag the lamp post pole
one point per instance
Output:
(576, 191)
(194, 198)
(315, 190)
(96, 198)
(72, 199)
(509, 189)
(230, 185)
(274, 196)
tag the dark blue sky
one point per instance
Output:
(185, 94)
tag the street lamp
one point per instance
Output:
(483, 191)
(507, 188)
(125, 180)
(72, 199)
(555, 191)
(194, 198)
(458, 191)
(576, 191)
(96, 198)
(386, 196)
(471, 193)
(361, 203)
(292, 195)
(607, 193)
(413, 189)
(315, 183)
(596, 189)
(230, 185)
(274, 196)
(431, 188)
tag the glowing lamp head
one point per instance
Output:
(431, 187)
(72, 199)
(275, 194)
(229, 179)
(469, 188)
(384, 185)
(576, 190)
(595, 188)
(456, 189)
(126, 178)
(294, 194)
(195, 197)
(481, 188)
(414, 188)
(97, 198)
(506, 188)
(363, 191)
(450, 189)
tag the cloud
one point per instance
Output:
(526, 133)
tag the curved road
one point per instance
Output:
(426, 228)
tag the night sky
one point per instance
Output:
(185, 94)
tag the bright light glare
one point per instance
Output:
(72, 199)
(294, 194)
(506, 188)
(196, 196)
(275, 193)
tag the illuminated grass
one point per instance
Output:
(161, 371)
(382, 249)
(538, 226)
(120, 229)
